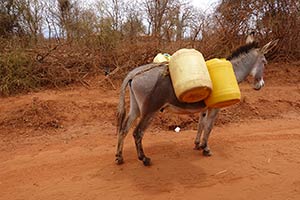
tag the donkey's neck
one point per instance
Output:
(244, 64)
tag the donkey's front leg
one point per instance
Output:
(208, 125)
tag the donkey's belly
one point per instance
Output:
(186, 108)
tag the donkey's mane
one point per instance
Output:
(243, 49)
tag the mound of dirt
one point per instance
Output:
(37, 114)
(54, 114)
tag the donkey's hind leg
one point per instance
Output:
(200, 130)
(208, 125)
(134, 113)
(138, 134)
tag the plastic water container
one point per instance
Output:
(159, 58)
(189, 75)
(225, 91)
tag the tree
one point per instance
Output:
(270, 19)
(156, 11)
(185, 18)
(197, 24)
(114, 9)
(9, 18)
(31, 17)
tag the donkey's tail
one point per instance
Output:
(121, 113)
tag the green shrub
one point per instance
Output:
(16, 73)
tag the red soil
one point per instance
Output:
(60, 144)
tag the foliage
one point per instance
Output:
(272, 19)
(52, 43)
(16, 73)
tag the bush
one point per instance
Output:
(16, 73)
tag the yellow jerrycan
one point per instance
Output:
(189, 75)
(225, 91)
(159, 58)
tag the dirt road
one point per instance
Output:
(60, 144)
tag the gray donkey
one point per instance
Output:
(151, 91)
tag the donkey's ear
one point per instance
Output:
(268, 47)
(250, 38)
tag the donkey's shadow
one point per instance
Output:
(174, 166)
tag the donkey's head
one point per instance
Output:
(250, 60)
(258, 68)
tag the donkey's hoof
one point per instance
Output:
(146, 161)
(197, 147)
(207, 153)
(119, 160)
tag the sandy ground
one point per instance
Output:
(60, 144)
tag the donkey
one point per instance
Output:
(151, 91)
